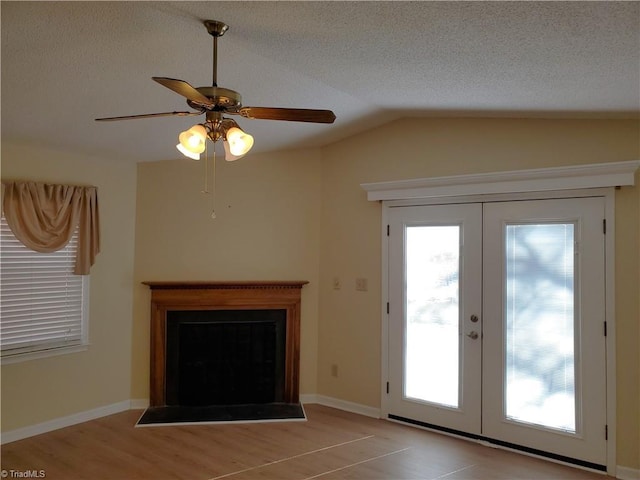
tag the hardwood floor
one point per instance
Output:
(332, 444)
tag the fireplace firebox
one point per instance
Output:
(224, 343)
(225, 357)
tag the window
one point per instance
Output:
(43, 305)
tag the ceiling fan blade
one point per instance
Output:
(290, 114)
(183, 88)
(150, 115)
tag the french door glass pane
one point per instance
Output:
(432, 314)
(539, 315)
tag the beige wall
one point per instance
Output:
(36, 391)
(628, 324)
(298, 215)
(267, 228)
(349, 333)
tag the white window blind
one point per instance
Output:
(42, 303)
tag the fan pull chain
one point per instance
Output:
(206, 179)
(205, 189)
(213, 197)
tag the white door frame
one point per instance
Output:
(558, 182)
(609, 197)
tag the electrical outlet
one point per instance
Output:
(334, 370)
(361, 284)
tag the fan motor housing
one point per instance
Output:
(223, 98)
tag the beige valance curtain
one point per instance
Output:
(44, 216)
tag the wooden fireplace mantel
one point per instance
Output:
(220, 285)
(220, 295)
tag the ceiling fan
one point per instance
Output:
(216, 102)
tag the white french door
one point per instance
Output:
(435, 291)
(496, 323)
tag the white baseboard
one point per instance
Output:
(44, 427)
(139, 403)
(626, 473)
(358, 408)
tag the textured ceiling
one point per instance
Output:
(66, 63)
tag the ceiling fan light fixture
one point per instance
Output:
(216, 101)
(239, 142)
(192, 142)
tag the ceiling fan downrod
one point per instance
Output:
(216, 29)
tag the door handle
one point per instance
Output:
(473, 335)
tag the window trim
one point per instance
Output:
(539, 180)
(51, 352)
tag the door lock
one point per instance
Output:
(474, 318)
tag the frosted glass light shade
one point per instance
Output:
(228, 156)
(192, 142)
(239, 142)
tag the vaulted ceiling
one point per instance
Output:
(66, 63)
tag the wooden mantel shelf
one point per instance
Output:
(222, 285)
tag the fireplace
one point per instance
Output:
(224, 343)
